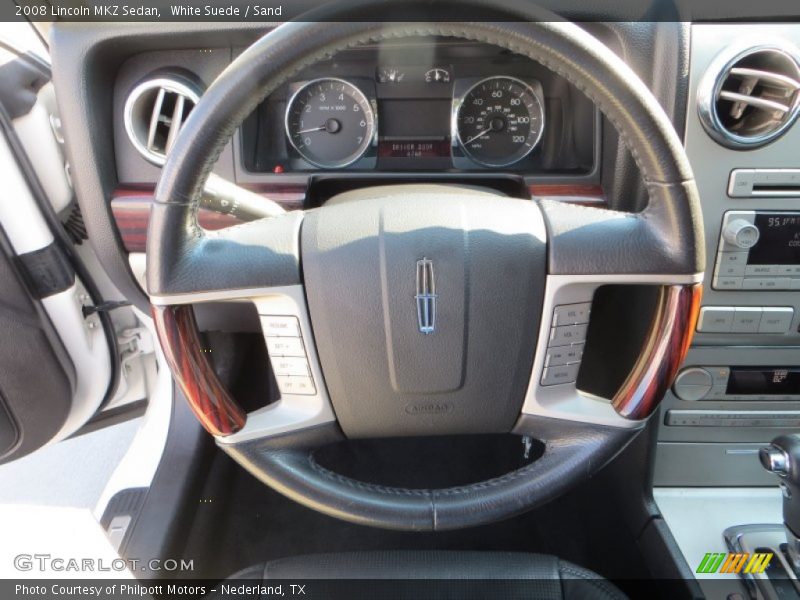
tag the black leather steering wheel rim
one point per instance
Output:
(179, 254)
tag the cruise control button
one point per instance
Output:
(277, 326)
(746, 319)
(776, 319)
(561, 374)
(715, 319)
(563, 355)
(303, 386)
(572, 314)
(285, 346)
(289, 365)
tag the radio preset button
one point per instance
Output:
(716, 319)
(788, 270)
(746, 319)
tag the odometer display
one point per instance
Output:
(499, 121)
(330, 123)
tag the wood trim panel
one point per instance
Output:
(663, 353)
(207, 396)
(131, 207)
(131, 211)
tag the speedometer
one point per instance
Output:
(330, 123)
(500, 120)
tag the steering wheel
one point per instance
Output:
(425, 310)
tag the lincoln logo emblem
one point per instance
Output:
(426, 297)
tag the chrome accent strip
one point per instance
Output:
(456, 109)
(371, 139)
(710, 87)
(163, 84)
(565, 401)
(293, 411)
(426, 297)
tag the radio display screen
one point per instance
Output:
(762, 381)
(779, 242)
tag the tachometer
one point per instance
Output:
(499, 121)
(330, 123)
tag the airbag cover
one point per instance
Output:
(364, 255)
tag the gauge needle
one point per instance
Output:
(481, 134)
(321, 128)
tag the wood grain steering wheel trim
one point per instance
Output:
(208, 397)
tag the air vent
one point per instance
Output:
(752, 97)
(155, 111)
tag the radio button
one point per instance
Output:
(746, 319)
(729, 258)
(715, 319)
(720, 375)
(761, 270)
(788, 270)
(728, 283)
(795, 284)
(718, 392)
(563, 355)
(764, 283)
(776, 319)
(731, 269)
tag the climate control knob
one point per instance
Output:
(741, 233)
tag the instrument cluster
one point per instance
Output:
(495, 121)
(423, 106)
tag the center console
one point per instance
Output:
(739, 387)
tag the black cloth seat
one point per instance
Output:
(507, 575)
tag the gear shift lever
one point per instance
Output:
(782, 457)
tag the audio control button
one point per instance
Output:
(788, 270)
(715, 319)
(746, 319)
(765, 283)
(761, 270)
(692, 384)
(740, 233)
(728, 283)
(776, 319)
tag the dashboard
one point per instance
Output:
(422, 105)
